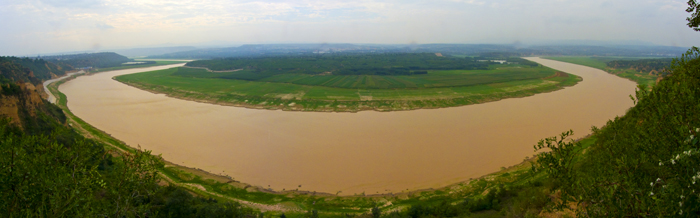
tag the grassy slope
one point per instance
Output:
(599, 63)
(288, 96)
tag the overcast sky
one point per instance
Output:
(44, 26)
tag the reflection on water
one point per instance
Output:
(349, 152)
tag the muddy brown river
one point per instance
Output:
(371, 152)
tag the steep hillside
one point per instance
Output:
(644, 164)
(50, 170)
(21, 101)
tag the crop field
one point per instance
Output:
(436, 89)
(434, 79)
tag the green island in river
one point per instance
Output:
(350, 83)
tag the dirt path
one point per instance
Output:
(46, 84)
(213, 71)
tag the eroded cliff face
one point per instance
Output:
(9, 107)
(22, 95)
(25, 103)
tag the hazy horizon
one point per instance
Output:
(49, 26)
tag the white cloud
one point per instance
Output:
(79, 24)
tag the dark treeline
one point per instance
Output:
(643, 65)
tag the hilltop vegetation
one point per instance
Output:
(94, 60)
(14, 72)
(56, 66)
(41, 68)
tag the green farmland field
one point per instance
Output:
(441, 78)
(438, 88)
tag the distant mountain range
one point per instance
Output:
(565, 48)
(254, 50)
(143, 52)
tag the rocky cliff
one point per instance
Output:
(21, 99)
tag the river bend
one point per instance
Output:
(369, 151)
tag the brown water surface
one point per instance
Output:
(350, 152)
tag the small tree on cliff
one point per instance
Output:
(694, 19)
